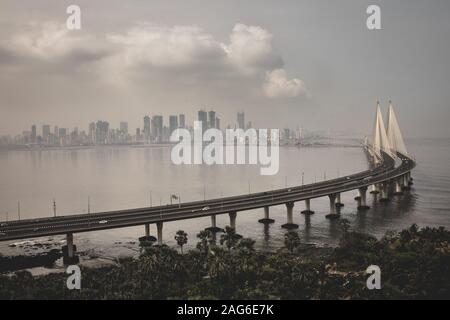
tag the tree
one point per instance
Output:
(181, 237)
(230, 238)
(291, 240)
(203, 244)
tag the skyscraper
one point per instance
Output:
(124, 127)
(241, 120)
(157, 128)
(217, 123)
(173, 124)
(101, 132)
(92, 133)
(147, 132)
(202, 117)
(33, 133)
(212, 119)
(46, 133)
(182, 121)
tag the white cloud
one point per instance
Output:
(251, 48)
(52, 42)
(162, 46)
(278, 85)
(187, 55)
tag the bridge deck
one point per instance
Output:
(33, 228)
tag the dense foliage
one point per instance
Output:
(414, 264)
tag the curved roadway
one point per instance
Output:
(33, 228)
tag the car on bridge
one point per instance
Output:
(206, 208)
(2, 234)
(103, 221)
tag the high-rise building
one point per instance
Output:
(217, 123)
(212, 119)
(203, 118)
(147, 132)
(124, 127)
(182, 121)
(173, 124)
(46, 133)
(138, 134)
(241, 120)
(101, 132)
(157, 128)
(33, 134)
(91, 134)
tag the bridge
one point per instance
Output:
(389, 174)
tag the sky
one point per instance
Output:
(285, 63)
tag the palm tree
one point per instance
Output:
(181, 237)
(291, 240)
(203, 244)
(230, 238)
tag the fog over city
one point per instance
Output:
(303, 63)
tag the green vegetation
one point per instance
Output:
(414, 264)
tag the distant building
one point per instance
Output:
(147, 132)
(212, 119)
(173, 124)
(46, 133)
(241, 120)
(33, 134)
(124, 128)
(217, 123)
(101, 132)
(203, 118)
(157, 128)
(182, 121)
(91, 135)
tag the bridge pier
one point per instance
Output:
(307, 210)
(233, 215)
(362, 202)
(69, 250)
(266, 218)
(333, 212)
(384, 192)
(405, 182)
(338, 200)
(159, 227)
(214, 227)
(375, 189)
(290, 220)
(147, 236)
(398, 187)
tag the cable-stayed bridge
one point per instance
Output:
(390, 170)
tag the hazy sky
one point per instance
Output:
(312, 63)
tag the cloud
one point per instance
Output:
(278, 85)
(161, 46)
(251, 48)
(184, 55)
(52, 43)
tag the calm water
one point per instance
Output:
(127, 177)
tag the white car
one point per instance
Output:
(2, 234)
(206, 208)
(103, 221)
